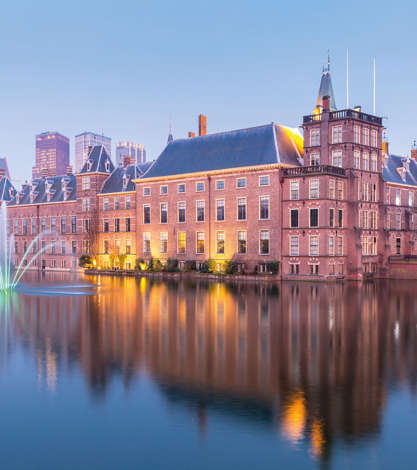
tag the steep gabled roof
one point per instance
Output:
(402, 170)
(60, 188)
(256, 146)
(121, 179)
(7, 190)
(326, 89)
(98, 161)
(4, 167)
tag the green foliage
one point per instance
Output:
(273, 267)
(211, 265)
(155, 265)
(85, 261)
(139, 263)
(189, 266)
(231, 267)
(171, 266)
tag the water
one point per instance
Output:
(143, 374)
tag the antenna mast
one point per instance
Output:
(347, 78)
(374, 92)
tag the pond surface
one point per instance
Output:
(139, 373)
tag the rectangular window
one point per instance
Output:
(373, 221)
(410, 198)
(117, 225)
(294, 246)
(25, 226)
(199, 187)
(86, 246)
(374, 138)
(106, 247)
(127, 224)
(357, 134)
(357, 159)
(34, 228)
(264, 207)
(163, 213)
(128, 247)
(53, 247)
(53, 224)
(339, 246)
(74, 247)
(241, 242)
(86, 204)
(340, 218)
(147, 214)
(398, 197)
(314, 137)
(146, 242)
(373, 192)
(365, 162)
(294, 218)
(314, 217)
(127, 202)
(339, 189)
(86, 225)
(241, 208)
(163, 242)
(332, 191)
(43, 225)
(331, 217)
(117, 247)
(163, 189)
(106, 225)
(331, 245)
(241, 183)
(374, 163)
(337, 158)
(398, 221)
(315, 159)
(314, 269)
(365, 136)
(106, 203)
(86, 183)
(181, 241)
(117, 203)
(314, 189)
(314, 245)
(337, 134)
(264, 242)
(63, 247)
(146, 191)
(16, 226)
(264, 180)
(294, 190)
(220, 243)
(398, 245)
(74, 224)
(220, 209)
(181, 188)
(200, 242)
(219, 184)
(181, 212)
(200, 211)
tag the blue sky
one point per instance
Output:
(125, 67)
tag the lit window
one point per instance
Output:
(200, 242)
(181, 241)
(264, 242)
(220, 242)
(241, 242)
(146, 242)
(163, 242)
(264, 180)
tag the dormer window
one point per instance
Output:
(107, 166)
(89, 164)
(125, 181)
(11, 192)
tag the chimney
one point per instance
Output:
(326, 103)
(69, 170)
(385, 149)
(202, 125)
(126, 160)
(191, 134)
(414, 154)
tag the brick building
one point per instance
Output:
(331, 204)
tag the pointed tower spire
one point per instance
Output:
(170, 138)
(328, 60)
(326, 89)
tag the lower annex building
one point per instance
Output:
(331, 204)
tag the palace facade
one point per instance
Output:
(333, 203)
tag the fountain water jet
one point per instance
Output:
(9, 276)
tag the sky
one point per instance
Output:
(125, 68)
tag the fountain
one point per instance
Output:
(9, 274)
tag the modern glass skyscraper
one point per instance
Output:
(86, 140)
(52, 154)
(136, 151)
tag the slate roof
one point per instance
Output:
(326, 89)
(59, 188)
(4, 167)
(263, 145)
(121, 178)
(98, 161)
(391, 174)
(7, 190)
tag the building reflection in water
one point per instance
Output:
(315, 362)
